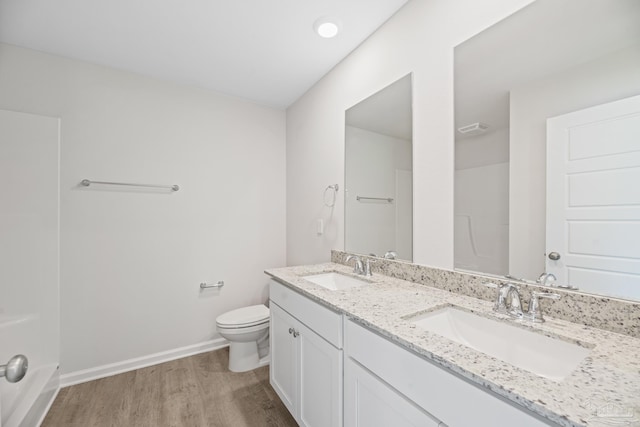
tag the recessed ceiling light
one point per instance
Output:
(327, 27)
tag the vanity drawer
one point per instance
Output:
(441, 393)
(324, 322)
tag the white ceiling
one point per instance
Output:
(262, 50)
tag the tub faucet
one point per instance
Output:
(358, 267)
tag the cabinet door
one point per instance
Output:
(283, 372)
(370, 402)
(320, 380)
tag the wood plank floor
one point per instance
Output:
(197, 391)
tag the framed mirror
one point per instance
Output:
(378, 174)
(547, 158)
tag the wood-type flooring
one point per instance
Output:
(196, 391)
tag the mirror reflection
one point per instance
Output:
(378, 174)
(547, 147)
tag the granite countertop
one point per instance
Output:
(604, 390)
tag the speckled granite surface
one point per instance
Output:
(606, 383)
(599, 312)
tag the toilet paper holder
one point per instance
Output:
(218, 284)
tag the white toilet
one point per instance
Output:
(247, 330)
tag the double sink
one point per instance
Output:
(547, 356)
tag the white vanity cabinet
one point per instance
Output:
(371, 402)
(385, 382)
(306, 357)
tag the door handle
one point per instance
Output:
(554, 256)
(15, 369)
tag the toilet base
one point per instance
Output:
(243, 357)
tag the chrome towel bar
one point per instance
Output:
(386, 199)
(87, 182)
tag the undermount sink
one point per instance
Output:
(335, 281)
(548, 357)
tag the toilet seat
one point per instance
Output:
(244, 317)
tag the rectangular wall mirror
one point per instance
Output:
(547, 147)
(378, 174)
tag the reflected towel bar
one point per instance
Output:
(87, 182)
(386, 199)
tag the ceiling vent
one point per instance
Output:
(473, 128)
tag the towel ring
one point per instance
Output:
(335, 188)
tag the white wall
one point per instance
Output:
(372, 162)
(606, 79)
(419, 39)
(482, 150)
(132, 260)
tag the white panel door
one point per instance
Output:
(283, 371)
(593, 198)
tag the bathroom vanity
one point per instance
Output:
(306, 357)
(359, 356)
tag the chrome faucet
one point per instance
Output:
(509, 294)
(391, 255)
(361, 267)
(358, 267)
(547, 279)
(508, 302)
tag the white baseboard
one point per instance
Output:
(91, 374)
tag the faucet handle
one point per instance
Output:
(543, 294)
(490, 285)
(535, 314)
(536, 295)
(367, 266)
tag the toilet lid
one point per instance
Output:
(245, 316)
